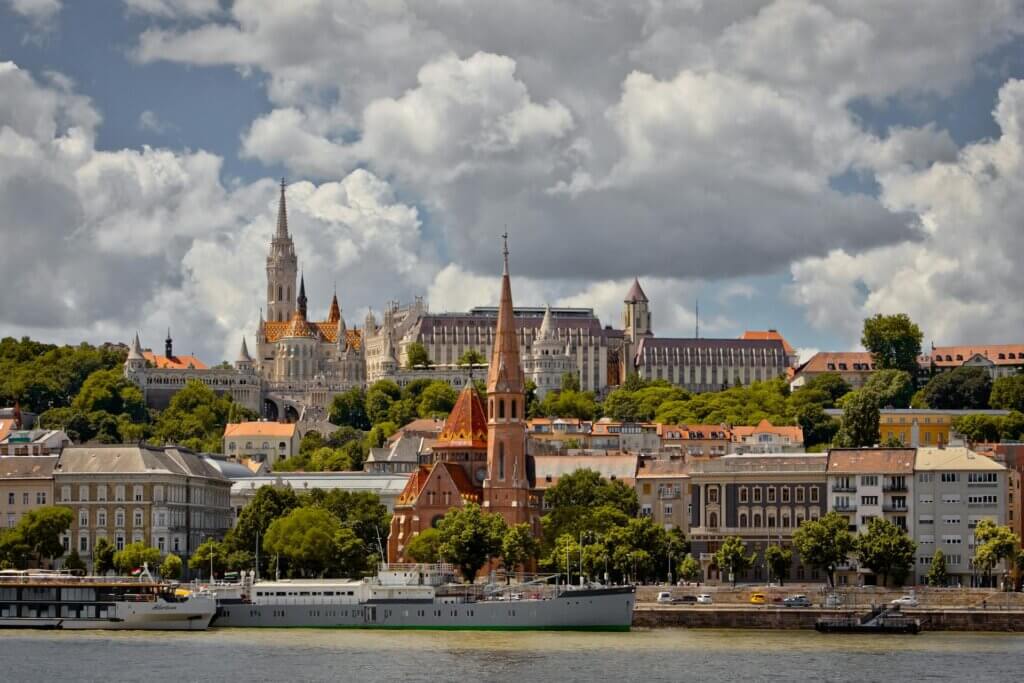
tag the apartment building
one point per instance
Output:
(265, 442)
(26, 483)
(168, 498)
(33, 442)
(954, 489)
(764, 437)
(663, 491)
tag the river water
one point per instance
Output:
(708, 656)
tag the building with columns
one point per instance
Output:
(548, 359)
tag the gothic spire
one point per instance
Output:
(243, 355)
(546, 326)
(505, 373)
(282, 215)
(302, 296)
(135, 352)
(334, 315)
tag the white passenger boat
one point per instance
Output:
(60, 600)
(409, 596)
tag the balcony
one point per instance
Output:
(844, 488)
(707, 557)
(669, 495)
(894, 488)
(890, 507)
(845, 507)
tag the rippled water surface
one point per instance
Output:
(657, 655)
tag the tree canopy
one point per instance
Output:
(963, 388)
(1008, 393)
(416, 356)
(824, 543)
(860, 425)
(886, 550)
(470, 537)
(891, 388)
(894, 342)
(134, 556)
(196, 416)
(37, 535)
(312, 542)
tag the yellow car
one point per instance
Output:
(758, 599)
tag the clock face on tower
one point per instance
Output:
(481, 474)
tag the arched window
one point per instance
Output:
(501, 458)
(743, 520)
(501, 409)
(757, 520)
(713, 520)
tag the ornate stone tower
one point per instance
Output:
(636, 318)
(282, 268)
(506, 488)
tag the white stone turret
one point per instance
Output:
(135, 361)
(244, 362)
(548, 360)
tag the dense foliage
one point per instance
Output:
(36, 537)
(824, 543)
(894, 342)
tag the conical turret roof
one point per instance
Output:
(466, 425)
(636, 293)
(282, 215)
(547, 327)
(135, 352)
(243, 354)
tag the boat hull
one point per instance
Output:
(194, 614)
(605, 610)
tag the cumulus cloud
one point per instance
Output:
(961, 280)
(38, 11)
(174, 8)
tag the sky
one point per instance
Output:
(789, 164)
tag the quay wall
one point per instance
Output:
(754, 617)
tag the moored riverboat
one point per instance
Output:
(409, 596)
(59, 600)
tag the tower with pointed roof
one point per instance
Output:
(244, 363)
(506, 488)
(282, 268)
(547, 360)
(636, 316)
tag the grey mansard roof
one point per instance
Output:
(142, 459)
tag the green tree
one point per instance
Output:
(425, 546)
(732, 559)
(1008, 393)
(313, 542)
(134, 556)
(584, 501)
(471, 357)
(622, 405)
(824, 543)
(268, 504)
(937, 575)
(470, 537)
(894, 342)
(779, 560)
(349, 408)
(993, 544)
(238, 560)
(379, 398)
(566, 403)
(860, 420)
(311, 442)
(571, 381)
(689, 570)
(412, 390)
(102, 556)
(416, 356)
(170, 568)
(41, 530)
(963, 388)
(892, 388)
(196, 416)
(74, 562)
(518, 547)
(360, 511)
(111, 392)
(14, 552)
(831, 383)
(1012, 427)
(979, 428)
(403, 411)
(886, 550)
(818, 427)
(437, 400)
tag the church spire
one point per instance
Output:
(302, 296)
(135, 352)
(243, 354)
(282, 215)
(505, 373)
(546, 326)
(334, 314)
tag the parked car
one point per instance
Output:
(797, 601)
(758, 599)
(905, 601)
(704, 599)
(664, 598)
(685, 600)
(833, 600)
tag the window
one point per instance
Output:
(83, 544)
(926, 539)
(869, 500)
(869, 480)
(713, 520)
(101, 492)
(10, 498)
(785, 494)
(771, 494)
(743, 520)
(743, 495)
(40, 497)
(83, 493)
(866, 519)
(814, 494)
(501, 408)
(952, 540)
(119, 493)
(137, 518)
(83, 518)
(24, 498)
(645, 510)
(924, 477)
(951, 498)
(501, 457)
(161, 519)
(982, 500)
(982, 478)
(668, 510)
(757, 519)
(12, 519)
(137, 493)
(176, 544)
(101, 518)
(119, 518)
(950, 477)
(926, 519)
(757, 495)
(926, 498)
(161, 543)
(513, 409)
(951, 519)
(799, 494)
(713, 494)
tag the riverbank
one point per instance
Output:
(783, 618)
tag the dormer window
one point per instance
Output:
(831, 366)
(959, 356)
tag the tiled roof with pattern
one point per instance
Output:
(174, 362)
(466, 426)
(325, 331)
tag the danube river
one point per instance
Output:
(482, 657)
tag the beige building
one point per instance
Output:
(853, 366)
(168, 498)
(26, 483)
(263, 442)
(663, 491)
(33, 442)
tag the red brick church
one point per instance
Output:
(479, 457)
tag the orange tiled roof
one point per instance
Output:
(469, 491)
(5, 428)
(466, 426)
(768, 335)
(324, 331)
(838, 361)
(955, 356)
(260, 429)
(796, 434)
(870, 460)
(417, 479)
(174, 362)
